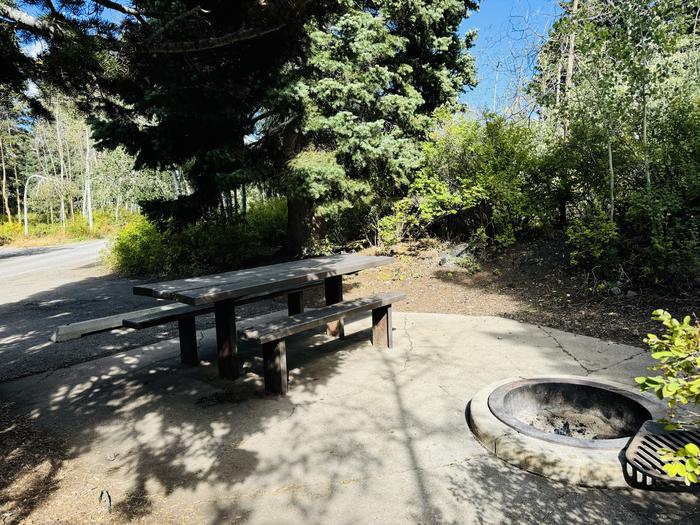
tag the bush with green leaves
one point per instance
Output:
(268, 219)
(590, 239)
(217, 244)
(677, 351)
(472, 178)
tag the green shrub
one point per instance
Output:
(590, 239)
(205, 246)
(469, 262)
(473, 178)
(677, 351)
(268, 219)
(139, 249)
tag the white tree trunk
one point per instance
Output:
(87, 201)
(569, 81)
(612, 181)
(14, 171)
(62, 166)
(5, 201)
(645, 142)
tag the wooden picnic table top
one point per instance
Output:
(240, 283)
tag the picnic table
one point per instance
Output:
(224, 290)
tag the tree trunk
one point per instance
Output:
(5, 201)
(647, 173)
(244, 201)
(495, 87)
(562, 212)
(612, 182)
(87, 203)
(69, 172)
(299, 221)
(14, 171)
(569, 71)
(62, 167)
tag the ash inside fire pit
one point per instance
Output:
(581, 425)
(577, 411)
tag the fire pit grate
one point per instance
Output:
(644, 467)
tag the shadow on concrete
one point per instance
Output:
(27, 325)
(191, 421)
(152, 428)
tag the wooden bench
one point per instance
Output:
(272, 336)
(70, 331)
(182, 313)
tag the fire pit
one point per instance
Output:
(566, 428)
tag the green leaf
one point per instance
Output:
(671, 469)
(692, 449)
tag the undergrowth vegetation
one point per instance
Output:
(141, 248)
(42, 232)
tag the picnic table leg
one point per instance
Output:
(226, 340)
(381, 327)
(334, 294)
(275, 366)
(295, 303)
(188, 341)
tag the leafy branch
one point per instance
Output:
(678, 352)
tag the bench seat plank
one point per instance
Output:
(318, 317)
(145, 319)
(70, 331)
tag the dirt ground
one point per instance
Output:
(530, 282)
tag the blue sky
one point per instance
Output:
(509, 31)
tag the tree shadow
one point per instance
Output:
(365, 435)
(29, 464)
(107, 405)
(26, 325)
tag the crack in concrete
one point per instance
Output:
(447, 392)
(561, 347)
(620, 362)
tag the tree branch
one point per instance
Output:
(28, 22)
(174, 20)
(124, 9)
(204, 44)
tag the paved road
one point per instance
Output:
(42, 288)
(15, 262)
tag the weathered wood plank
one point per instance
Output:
(146, 320)
(102, 324)
(333, 287)
(241, 283)
(318, 317)
(275, 367)
(381, 327)
(227, 340)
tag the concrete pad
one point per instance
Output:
(364, 436)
